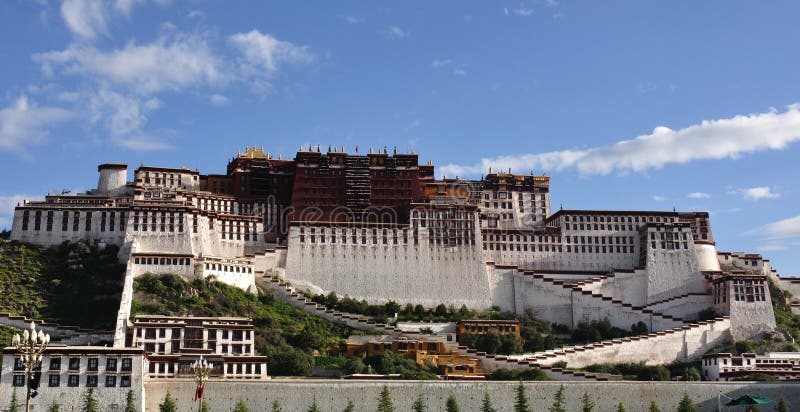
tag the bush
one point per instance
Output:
(758, 377)
(529, 374)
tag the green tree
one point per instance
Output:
(385, 401)
(168, 405)
(276, 406)
(241, 406)
(486, 406)
(204, 406)
(620, 407)
(14, 405)
(587, 404)
(782, 406)
(452, 404)
(313, 407)
(653, 407)
(130, 402)
(558, 404)
(686, 404)
(89, 402)
(419, 404)
(53, 407)
(350, 407)
(753, 408)
(521, 401)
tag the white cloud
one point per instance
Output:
(698, 195)
(522, 11)
(758, 193)
(658, 198)
(771, 247)
(263, 54)
(124, 118)
(778, 235)
(172, 62)
(196, 14)
(414, 124)
(397, 33)
(436, 64)
(711, 139)
(90, 18)
(460, 72)
(353, 19)
(219, 100)
(24, 124)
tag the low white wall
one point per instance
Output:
(685, 307)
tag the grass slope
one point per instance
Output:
(286, 334)
(73, 283)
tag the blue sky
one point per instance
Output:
(626, 104)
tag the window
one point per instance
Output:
(111, 365)
(72, 380)
(125, 381)
(74, 364)
(55, 381)
(111, 381)
(92, 364)
(19, 380)
(126, 364)
(91, 381)
(55, 364)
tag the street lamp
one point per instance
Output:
(201, 369)
(30, 346)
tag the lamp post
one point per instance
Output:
(201, 369)
(30, 347)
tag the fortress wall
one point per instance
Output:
(672, 273)
(501, 287)
(685, 307)
(297, 395)
(405, 273)
(588, 308)
(706, 257)
(627, 286)
(545, 300)
(56, 236)
(563, 260)
(124, 312)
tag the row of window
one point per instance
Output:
(108, 220)
(54, 381)
(162, 261)
(510, 195)
(228, 268)
(558, 248)
(619, 219)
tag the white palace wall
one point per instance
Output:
(406, 272)
(111, 233)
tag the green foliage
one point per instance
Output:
(419, 404)
(285, 334)
(633, 371)
(130, 400)
(73, 283)
(758, 377)
(350, 406)
(313, 407)
(782, 405)
(620, 407)
(204, 406)
(587, 404)
(452, 404)
(385, 401)
(389, 362)
(168, 405)
(558, 404)
(89, 401)
(486, 405)
(653, 407)
(242, 407)
(529, 374)
(491, 342)
(276, 406)
(784, 317)
(601, 330)
(330, 361)
(639, 328)
(53, 407)
(14, 405)
(521, 400)
(686, 404)
(6, 333)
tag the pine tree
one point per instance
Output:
(587, 404)
(686, 404)
(204, 406)
(653, 407)
(89, 402)
(14, 405)
(521, 402)
(350, 407)
(782, 406)
(385, 401)
(168, 405)
(486, 406)
(241, 406)
(419, 404)
(452, 404)
(276, 406)
(314, 407)
(130, 402)
(620, 407)
(558, 404)
(53, 407)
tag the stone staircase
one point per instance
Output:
(67, 335)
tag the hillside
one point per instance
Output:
(73, 283)
(289, 336)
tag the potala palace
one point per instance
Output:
(381, 227)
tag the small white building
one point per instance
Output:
(784, 366)
(68, 372)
